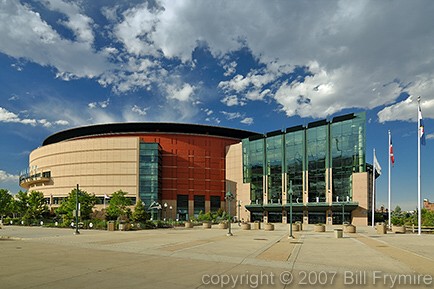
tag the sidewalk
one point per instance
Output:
(207, 258)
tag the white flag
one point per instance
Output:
(377, 165)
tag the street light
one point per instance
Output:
(343, 210)
(165, 211)
(291, 192)
(239, 212)
(229, 198)
(76, 211)
(170, 208)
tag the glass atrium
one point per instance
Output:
(318, 162)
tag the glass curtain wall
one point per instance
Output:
(317, 147)
(215, 203)
(348, 153)
(199, 205)
(253, 167)
(274, 157)
(294, 152)
(150, 173)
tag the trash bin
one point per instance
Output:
(122, 227)
(338, 233)
(111, 226)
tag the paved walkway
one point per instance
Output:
(34, 257)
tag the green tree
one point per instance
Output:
(118, 206)
(87, 202)
(398, 218)
(427, 218)
(140, 214)
(36, 206)
(5, 203)
(21, 203)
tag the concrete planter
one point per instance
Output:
(300, 225)
(349, 228)
(319, 228)
(188, 224)
(223, 225)
(206, 225)
(295, 227)
(245, 226)
(256, 225)
(381, 228)
(398, 229)
(268, 227)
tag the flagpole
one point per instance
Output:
(373, 192)
(419, 213)
(390, 208)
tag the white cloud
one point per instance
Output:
(136, 29)
(230, 68)
(140, 111)
(61, 122)
(359, 54)
(207, 111)
(7, 116)
(184, 92)
(100, 104)
(80, 24)
(253, 81)
(406, 110)
(6, 177)
(237, 115)
(10, 117)
(355, 51)
(232, 100)
(247, 120)
(231, 115)
(25, 35)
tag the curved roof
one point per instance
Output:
(145, 127)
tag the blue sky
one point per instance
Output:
(254, 65)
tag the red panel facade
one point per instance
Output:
(192, 164)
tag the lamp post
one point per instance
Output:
(239, 212)
(229, 198)
(291, 192)
(170, 208)
(165, 211)
(76, 211)
(343, 212)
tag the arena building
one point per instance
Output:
(188, 168)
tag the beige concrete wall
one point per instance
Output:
(361, 190)
(99, 165)
(234, 180)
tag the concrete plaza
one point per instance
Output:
(35, 257)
